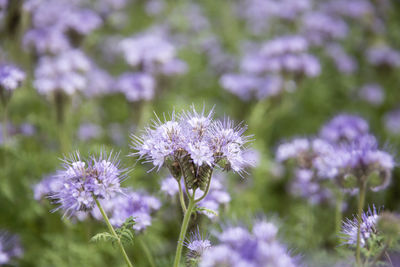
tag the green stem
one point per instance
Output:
(147, 252)
(383, 251)
(111, 229)
(181, 199)
(338, 213)
(205, 192)
(361, 200)
(5, 126)
(182, 234)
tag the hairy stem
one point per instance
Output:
(205, 192)
(383, 252)
(147, 252)
(184, 227)
(181, 199)
(111, 229)
(361, 200)
(338, 213)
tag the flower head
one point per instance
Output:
(193, 144)
(368, 228)
(85, 180)
(197, 245)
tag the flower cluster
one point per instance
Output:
(136, 86)
(240, 247)
(11, 77)
(383, 56)
(65, 73)
(320, 27)
(368, 228)
(10, 248)
(196, 245)
(192, 145)
(344, 152)
(52, 33)
(138, 205)
(84, 181)
(150, 52)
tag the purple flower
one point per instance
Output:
(383, 56)
(63, 72)
(170, 186)
(344, 127)
(136, 86)
(392, 121)
(47, 187)
(129, 204)
(147, 50)
(320, 27)
(247, 86)
(11, 77)
(10, 248)
(368, 228)
(373, 94)
(99, 82)
(205, 141)
(46, 40)
(89, 131)
(240, 247)
(284, 54)
(344, 62)
(197, 245)
(85, 180)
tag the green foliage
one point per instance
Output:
(124, 234)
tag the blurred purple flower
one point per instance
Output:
(10, 248)
(11, 78)
(344, 127)
(392, 121)
(89, 131)
(344, 62)
(240, 247)
(373, 94)
(136, 86)
(383, 56)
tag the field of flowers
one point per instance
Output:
(208, 133)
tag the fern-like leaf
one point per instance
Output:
(103, 237)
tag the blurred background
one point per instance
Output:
(95, 71)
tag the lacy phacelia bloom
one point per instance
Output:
(192, 145)
(344, 62)
(240, 247)
(197, 245)
(64, 72)
(85, 180)
(368, 228)
(11, 77)
(10, 248)
(137, 205)
(344, 127)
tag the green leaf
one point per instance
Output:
(200, 209)
(104, 237)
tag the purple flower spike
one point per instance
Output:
(10, 248)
